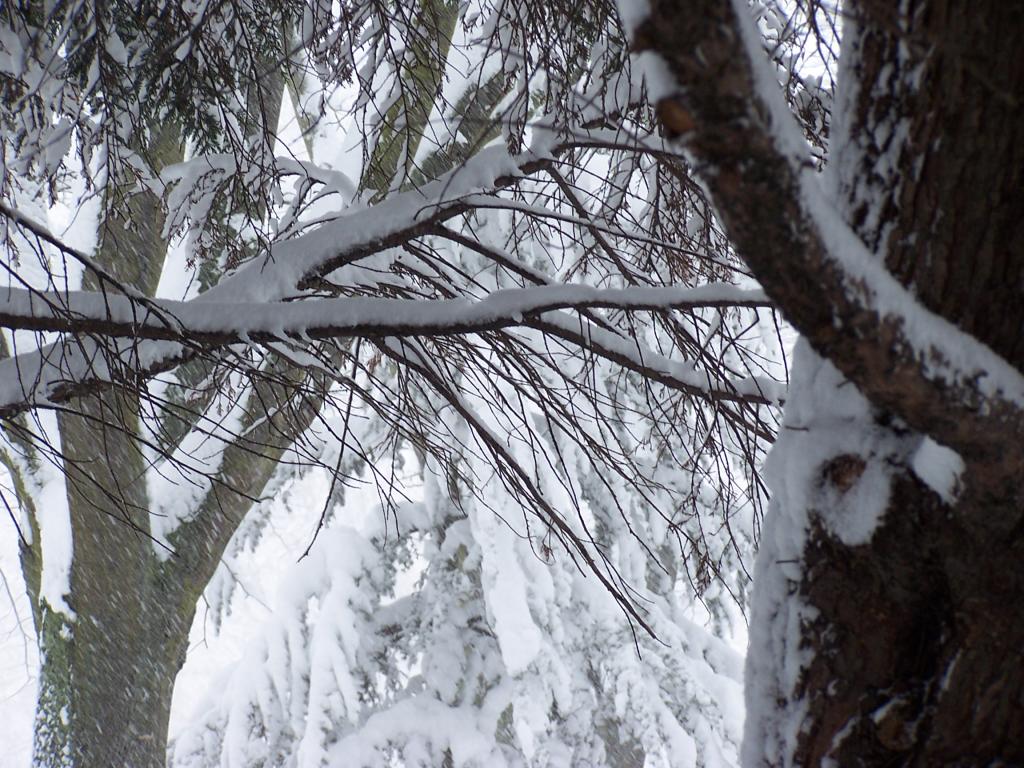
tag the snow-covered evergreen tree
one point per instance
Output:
(449, 631)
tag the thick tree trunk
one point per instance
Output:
(916, 645)
(918, 641)
(888, 627)
(108, 671)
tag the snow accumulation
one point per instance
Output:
(827, 423)
(939, 468)
(503, 642)
(255, 300)
(57, 545)
(19, 662)
(41, 371)
(320, 316)
(633, 13)
(948, 355)
(178, 484)
(491, 625)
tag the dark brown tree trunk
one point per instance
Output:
(917, 645)
(918, 641)
(905, 647)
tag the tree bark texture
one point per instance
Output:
(108, 672)
(910, 644)
(926, 665)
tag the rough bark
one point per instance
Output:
(925, 666)
(760, 180)
(107, 676)
(912, 642)
(917, 644)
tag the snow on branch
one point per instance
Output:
(117, 334)
(51, 373)
(294, 265)
(219, 323)
(718, 98)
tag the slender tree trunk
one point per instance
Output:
(404, 126)
(108, 671)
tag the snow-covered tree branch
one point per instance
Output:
(941, 380)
